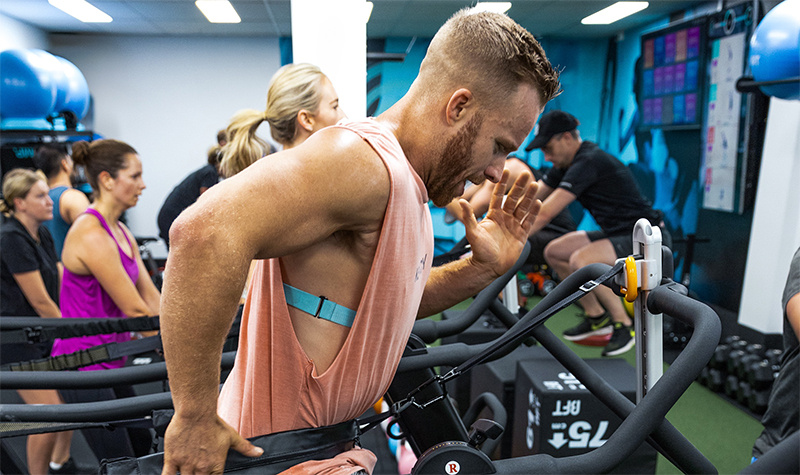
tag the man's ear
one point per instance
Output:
(305, 120)
(458, 105)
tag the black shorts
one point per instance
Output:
(623, 243)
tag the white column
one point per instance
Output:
(332, 34)
(775, 234)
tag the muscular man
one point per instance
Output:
(345, 216)
(606, 188)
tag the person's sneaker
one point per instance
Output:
(590, 326)
(621, 340)
(67, 467)
(72, 468)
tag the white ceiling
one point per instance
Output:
(544, 18)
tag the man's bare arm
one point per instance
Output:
(281, 204)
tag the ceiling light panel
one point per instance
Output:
(82, 10)
(218, 11)
(614, 12)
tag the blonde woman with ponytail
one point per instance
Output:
(300, 101)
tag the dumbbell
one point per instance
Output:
(730, 339)
(774, 355)
(731, 385)
(745, 365)
(716, 380)
(756, 349)
(734, 357)
(719, 360)
(743, 391)
(739, 344)
(760, 375)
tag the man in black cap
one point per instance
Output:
(606, 188)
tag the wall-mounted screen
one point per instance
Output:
(672, 75)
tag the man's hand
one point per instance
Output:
(497, 240)
(202, 446)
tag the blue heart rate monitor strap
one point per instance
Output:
(319, 306)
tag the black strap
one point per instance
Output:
(42, 333)
(16, 429)
(368, 423)
(100, 353)
(514, 335)
(95, 355)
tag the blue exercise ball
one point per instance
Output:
(27, 84)
(775, 50)
(73, 90)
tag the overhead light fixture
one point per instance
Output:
(82, 10)
(218, 11)
(369, 10)
(493, 7)
(614, 12)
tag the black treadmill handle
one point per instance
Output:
(652, 409)
(457, 353)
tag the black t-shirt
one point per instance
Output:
(183, 195)
(604, 187)
(782, 417)
(562, 222)
(20, 253)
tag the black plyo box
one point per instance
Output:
(555, 414)
(498, 377)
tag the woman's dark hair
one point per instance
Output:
(100, 156)
(48, 158)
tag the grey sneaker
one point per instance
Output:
(590, 326)
(622, 340)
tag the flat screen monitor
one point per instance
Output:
(672, 74)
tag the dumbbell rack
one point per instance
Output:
(742, 373)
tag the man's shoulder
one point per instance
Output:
(591, 152)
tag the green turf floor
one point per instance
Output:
(721, 431)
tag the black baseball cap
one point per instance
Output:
(550, 124)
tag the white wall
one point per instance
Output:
(17, 35)
(775, 235)
(168, 97)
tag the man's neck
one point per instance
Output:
(575, 147)
(409, 123)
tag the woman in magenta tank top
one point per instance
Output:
(104, 276)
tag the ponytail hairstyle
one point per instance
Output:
(105, 155)
(244, 147)
(294, 87)
(17, 184)
(48, 159)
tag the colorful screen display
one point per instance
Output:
(671, 76)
